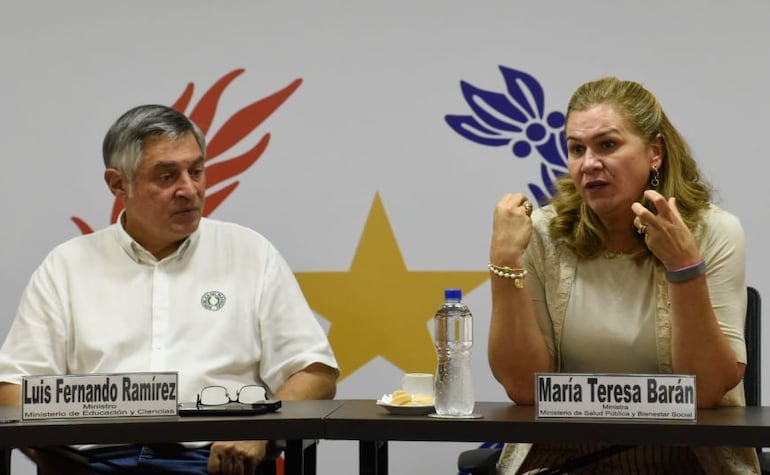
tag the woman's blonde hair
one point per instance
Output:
(678, 176)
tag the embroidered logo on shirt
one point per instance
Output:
(213, 300)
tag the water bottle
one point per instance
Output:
(453, 325)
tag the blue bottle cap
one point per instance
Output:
(453, 294)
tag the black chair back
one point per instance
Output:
(752, 378)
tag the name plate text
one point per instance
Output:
(615, 396)
(99, 395)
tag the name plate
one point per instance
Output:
(99, 395)
(615, 396)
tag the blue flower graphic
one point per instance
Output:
(516, 118)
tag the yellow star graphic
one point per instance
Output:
(378, 307)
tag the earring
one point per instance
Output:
(655, 178)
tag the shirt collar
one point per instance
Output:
(141, 255)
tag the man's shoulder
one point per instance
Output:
(86, 242)
(235, 233)
(86, 249)
(210, 225)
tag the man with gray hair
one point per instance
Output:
(165, 289)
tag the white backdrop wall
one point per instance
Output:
(367, 121)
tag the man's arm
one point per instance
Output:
(317, 381)
(10, 394)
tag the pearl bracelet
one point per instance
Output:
(686, 273)
(517, 275)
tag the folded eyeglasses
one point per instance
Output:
(218, 395)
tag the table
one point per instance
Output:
(295, 422)
(373, 426)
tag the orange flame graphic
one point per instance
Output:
(235, 128)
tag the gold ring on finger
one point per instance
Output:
(527, 208)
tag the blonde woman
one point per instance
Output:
(630, 269)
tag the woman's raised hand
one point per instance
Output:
(666, 234)
(511, 230)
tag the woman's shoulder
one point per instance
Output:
(718, 222)
(543, 215)
(714, 216)
(541, 235)
(541, 221)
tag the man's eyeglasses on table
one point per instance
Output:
(218, 395)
